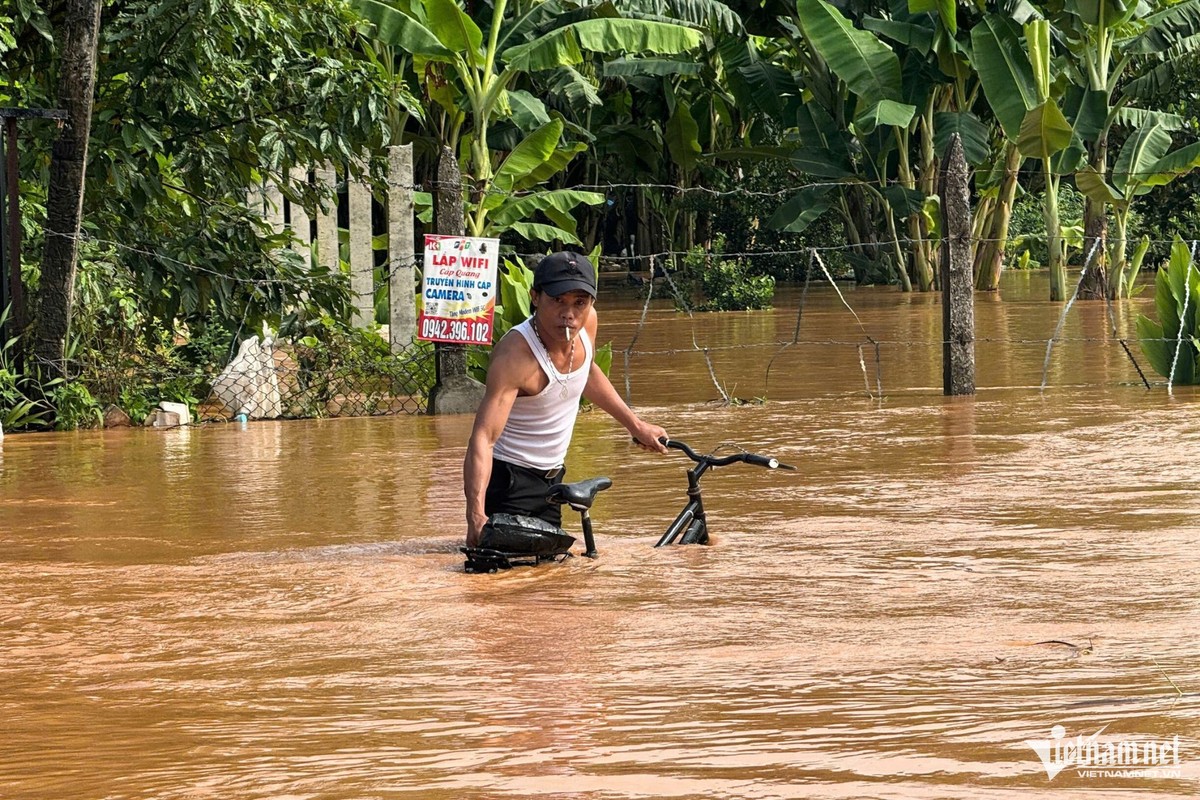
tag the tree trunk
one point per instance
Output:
(1058, 267)
(64, 203)
(857, 220)
(1095, 233)
(989, 260)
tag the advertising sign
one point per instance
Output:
(459, 291)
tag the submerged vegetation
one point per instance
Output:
(1172, 342)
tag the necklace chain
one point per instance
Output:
(570, 356)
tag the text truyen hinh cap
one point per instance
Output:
(562, 272)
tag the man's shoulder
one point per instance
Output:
(512, 358)
(512, 342)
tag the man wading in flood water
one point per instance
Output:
(537, 374)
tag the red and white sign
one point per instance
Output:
(459, 291)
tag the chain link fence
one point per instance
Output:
(267, 379)
(273, 380)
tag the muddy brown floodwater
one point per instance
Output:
(278, 611)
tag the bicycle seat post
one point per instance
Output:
(585, 518)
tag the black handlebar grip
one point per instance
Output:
(761, 461)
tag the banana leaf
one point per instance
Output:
(1004, 71)
(560, 200)
(802, 209)
(1044, 132)
(867, 66)
(1140, 154)
(564, 46)
(534, 151)
(682, 135)
(976, 137)
(399, 30)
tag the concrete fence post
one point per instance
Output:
(327, 230)
(301, 227)
(273, 213)
(958, 285)
(362, 256)
(402, 307)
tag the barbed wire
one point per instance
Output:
(469, 186)
(816, 266)
(473, 189)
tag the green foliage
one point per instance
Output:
(727, 284)
(196, 102)
(1169, 210)
(74, 407)
(120, 354)
(1027, 229)
(20, 404)
(742, 220)
(1177, 290)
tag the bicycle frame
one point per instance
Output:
(691, 526)
(691, 522)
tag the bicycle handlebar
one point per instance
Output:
(748, 458)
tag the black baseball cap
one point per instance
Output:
(562, 272)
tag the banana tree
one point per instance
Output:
(1170, 343)
(469, 74)
(1144, 162)
(869, 71)
(1006, 76)
(909, 99)
(1044, 133)
(1124, 50)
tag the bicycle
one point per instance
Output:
(510, 540)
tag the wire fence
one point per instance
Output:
(270, 379)
(299, 378)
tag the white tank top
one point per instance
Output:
(539, 426)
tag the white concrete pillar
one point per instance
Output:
(362, 257)
(402, 305)
(327, 230)
(300, 220)
(274, 206)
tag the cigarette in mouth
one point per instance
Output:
(567, 331)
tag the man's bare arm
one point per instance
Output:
(600, 391)
(503, 383)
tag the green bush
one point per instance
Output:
(727, 284)
(74, 407)
(1177, 292)
(20, 404)
(1027, 230)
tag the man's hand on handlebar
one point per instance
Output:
(650, 437)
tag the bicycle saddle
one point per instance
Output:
(579, 495)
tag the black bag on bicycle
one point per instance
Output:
(515, 533)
